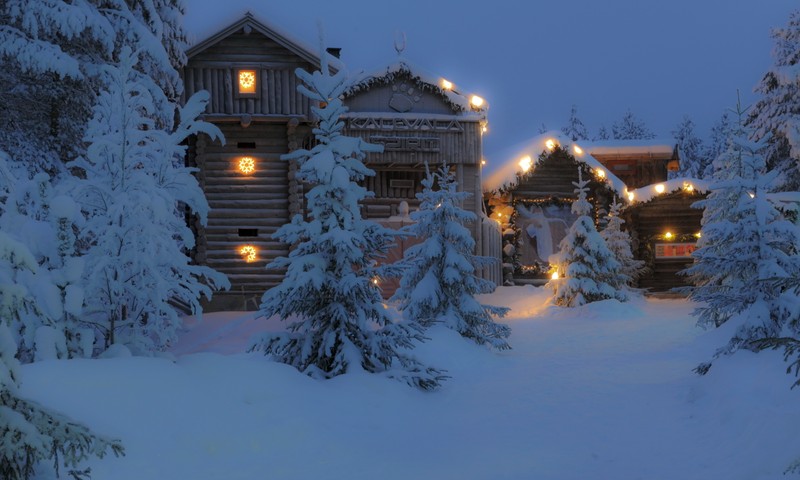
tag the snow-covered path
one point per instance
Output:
(599, 392)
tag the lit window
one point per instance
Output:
(247, 82)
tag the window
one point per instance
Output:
(247, 81)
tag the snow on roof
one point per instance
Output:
(649, 192)
(281, 37)
(465, 104)
(514, 158)
(662, 148)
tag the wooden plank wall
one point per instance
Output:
(257, 202)
(456, 147)
(646, 221)
(215, 70)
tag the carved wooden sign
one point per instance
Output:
(393, 143)
(422, 124)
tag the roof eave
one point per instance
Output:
(259, 27)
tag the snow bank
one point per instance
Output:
(600, 391)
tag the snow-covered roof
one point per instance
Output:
(655, 148)
(284, 39)
(649, 192)
(506, 173)
(445, 88)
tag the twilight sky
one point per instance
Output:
(533, 59)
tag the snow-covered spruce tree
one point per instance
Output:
(692, 153)
(619, 242)
(438, 284)
(776, 115)
(575, 129)
(43, 220)
(602, 134)
(340, 324)
(588, 271)
(631, 128)
(717, 144)
(31, 434)
(134, 189)
(746, 249)
(50, 52)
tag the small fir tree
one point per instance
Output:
(31, 433)
(718, 143)
(134, 190)
(631, 128)
(44, 221)
(588, 271)
(619, 242)
(602, 134)
(340, 323)
(439, 284)
(746, 249)
(692, 153)
(575, 129)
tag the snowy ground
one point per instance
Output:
(600, 392)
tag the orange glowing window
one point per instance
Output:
(249, 253)
(247, 81)
(247, 165)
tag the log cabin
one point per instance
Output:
(249, 70)
(531, 199)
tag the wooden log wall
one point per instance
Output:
(553, 177)
(648, 222)
(215, 70)
(245, 209)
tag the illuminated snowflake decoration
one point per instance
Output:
(247, 165)
(247, 80)
(249, 253)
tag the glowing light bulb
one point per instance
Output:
(476, 101)
(483, 162)
(698, 234)
(577, 149)
(526, 163)
(550, 144)
(554, 275)
(688, 187)
(752, 195)
(668, 235)
(600, 173)
(631, 196)
(375, 281)
(660, 188)
(446, 85)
